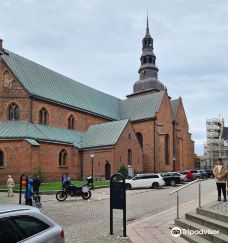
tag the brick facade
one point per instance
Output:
(161, 141)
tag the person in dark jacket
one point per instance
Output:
(36, 185)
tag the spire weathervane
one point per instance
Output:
(147, 24)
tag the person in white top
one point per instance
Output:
(10, 185)
(220, 173)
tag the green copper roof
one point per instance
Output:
(141, 107)
(174, 105)
(29, 131)
(105, 134)
(45, 83)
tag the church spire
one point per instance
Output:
(148, 71)
(147, 25)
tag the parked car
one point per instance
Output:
(209, 173)
(21, 223)
(203, 174)
(182, 176)
(145, 181)
(195, 174)
(171, 180)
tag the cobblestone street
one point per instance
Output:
(88, 221)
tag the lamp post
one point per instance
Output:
(174, 163)
(92, 156)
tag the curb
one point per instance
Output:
(53, 192)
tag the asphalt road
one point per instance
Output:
(88, 221)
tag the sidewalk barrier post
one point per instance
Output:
(199, 195)
(177, 205)
(118, 199)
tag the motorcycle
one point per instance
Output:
(71, 190)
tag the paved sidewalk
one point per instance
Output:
(155, 228)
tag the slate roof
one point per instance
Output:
(175, 104)
(43, 82)
(29, 131)
(104, 134)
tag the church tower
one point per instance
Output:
(148, 71)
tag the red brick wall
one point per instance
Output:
(20, 157)
(16, 159)
(115, 156)
(184, 145)
(122, 147)
(146, 128)
(58, 116)
(164, 126)
(12, 93)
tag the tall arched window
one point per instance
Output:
(6, 79)
(63, 158)
(13, 112)
(144, 60)
(129, 155)
(167, 149)
(140, 138)
(43, 116)
(150, 60)
(71, 122)
(1, 159)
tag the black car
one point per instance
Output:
(209, 173)
(203, 174)
(171, 180)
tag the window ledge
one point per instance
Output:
(63, 166)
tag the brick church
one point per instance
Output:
(50, 123)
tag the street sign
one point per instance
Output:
(117, 199)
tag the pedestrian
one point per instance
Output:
(36, 185)
(220, 174)
(29, 194)
(10, 185)
(189, 176)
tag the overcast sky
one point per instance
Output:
(98, 43)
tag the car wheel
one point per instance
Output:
(182, 181)
(211, 176)
(128, 186)
(197, 177)
(204, 177)
(172, 183)
(155, 185)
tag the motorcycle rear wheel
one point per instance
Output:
(61, 196)
(86, 195)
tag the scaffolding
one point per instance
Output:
(214, 146)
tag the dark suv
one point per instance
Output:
(170, 179)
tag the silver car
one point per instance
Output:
(20, 223)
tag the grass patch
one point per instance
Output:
(58, 185)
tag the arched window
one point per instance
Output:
(43, 116)
(1, 159)
(6, 79)
(129, 156)
(129, 137)
(71, 122)
(145, 42)
(167, 149)
(144, 60)
(13, 112)
(63, 158)
(150, 60)
(149, 42)
(140, 138)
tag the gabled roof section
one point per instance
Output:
(29, 131)
(142, 107)
(44, 83)
(105, 134)
(175, 104)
